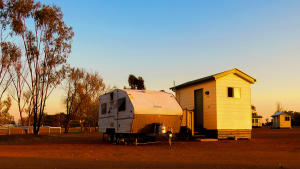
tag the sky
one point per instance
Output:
(172, 40)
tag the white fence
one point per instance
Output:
(29, 130)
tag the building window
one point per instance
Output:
(234, 92)
(230, 91)
(122, 104)
(256, 120)
(287, 118)
(103, 108)
(252, 120)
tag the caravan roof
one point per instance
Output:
(153, 102)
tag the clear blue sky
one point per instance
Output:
(166, 40)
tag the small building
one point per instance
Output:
(220, 104)
(256, 120)
(281, 120)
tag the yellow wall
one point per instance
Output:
(233, 113)
(258, 123)
(220, 111)
(283, 123)
(185, 97)
(279, 121)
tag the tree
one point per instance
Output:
(140, 83)
(5, 117)
(18, 84)
(132, 81)
(253, 109)
(47, 45)
(82, 92)
(268, 122)
(28, 109)
(73, 78)
(296, 119)
(10, 54)
(136, 83)
(55, 120)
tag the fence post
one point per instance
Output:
(193, 123)
(49, 131)
(8, 131)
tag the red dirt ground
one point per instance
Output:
(269, 148)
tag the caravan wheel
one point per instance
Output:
(117, 139)
(111, 138)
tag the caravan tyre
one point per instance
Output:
(111, 138)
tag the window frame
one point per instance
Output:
(121, 102)
(103, 105)
(233, 92)
(287, 118)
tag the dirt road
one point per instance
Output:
(269, 148)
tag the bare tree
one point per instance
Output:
(5, 117)
(82, 92)
(74, 77)
(10, 54)
(47, 45)
(18, 74)
(28, 106)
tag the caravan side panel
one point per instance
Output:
(141, 122)
(111, 117)
(124, 126)
(107, 115)
(123, 117)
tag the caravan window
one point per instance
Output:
(111, 96)
(103, 108)
(122, 104)
(234, 92)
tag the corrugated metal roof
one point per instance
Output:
(210, 78)
(197, 81)
(277, 114)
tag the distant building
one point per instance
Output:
(281, 120)
(220, 104)
(256, 120)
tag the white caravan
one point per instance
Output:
(129, 112)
